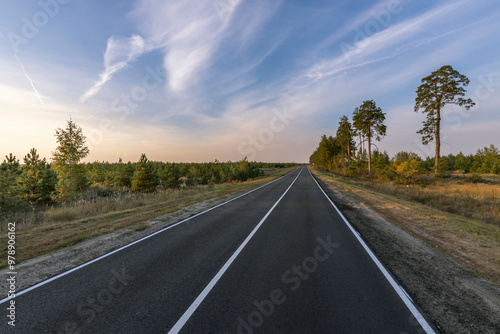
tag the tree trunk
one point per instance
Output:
(361, 146)
(369, 155)
(438, 137)
(348, 151)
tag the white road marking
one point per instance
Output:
(401, 293)
(189, 312)
(128, 245)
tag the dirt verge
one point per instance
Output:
(457, 300)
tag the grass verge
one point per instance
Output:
(473, 242)
(71, 225)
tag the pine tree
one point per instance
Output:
(444, 86)
(71, 147)
(65, 189)
(345, 134)
(9, 172)
(79, 174)
(46, 186)
(69, 152)
(192, 176)
(368, 121)
(122, 174)
(144, 178)
(37, 181)
(171, 177)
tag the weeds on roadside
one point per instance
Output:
(470, 197)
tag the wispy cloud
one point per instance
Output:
(188, 32)
(358, 54)
(193, 36)
(119, 53)
(358, 21)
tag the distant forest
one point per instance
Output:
(37, 182)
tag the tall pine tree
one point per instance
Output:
(443, 86)
(368, 121)
(345, 134)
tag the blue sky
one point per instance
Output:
(202, 80)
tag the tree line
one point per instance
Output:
(350, 151)
(38, 182)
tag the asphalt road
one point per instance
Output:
(280, 259)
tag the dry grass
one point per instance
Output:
(480, 201)
(465, 235)
(68, 225)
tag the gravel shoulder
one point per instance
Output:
(456, 299)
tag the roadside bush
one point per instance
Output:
(474, 178)
(386, 174)
(351, 171)
(407, 172)
(496, 167)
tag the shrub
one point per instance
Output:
(474, 178)
(407, 172)
(385, 174)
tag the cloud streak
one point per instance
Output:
(29, 79)
(357, 54)
(119, 53)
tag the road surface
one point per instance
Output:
(280, 259)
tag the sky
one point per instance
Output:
(193, 81)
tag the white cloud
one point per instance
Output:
(119, 53)
(188, 32)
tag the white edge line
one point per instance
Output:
(6, 299)
(189, 312)
(401, 293)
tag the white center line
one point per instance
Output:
(189, 312)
